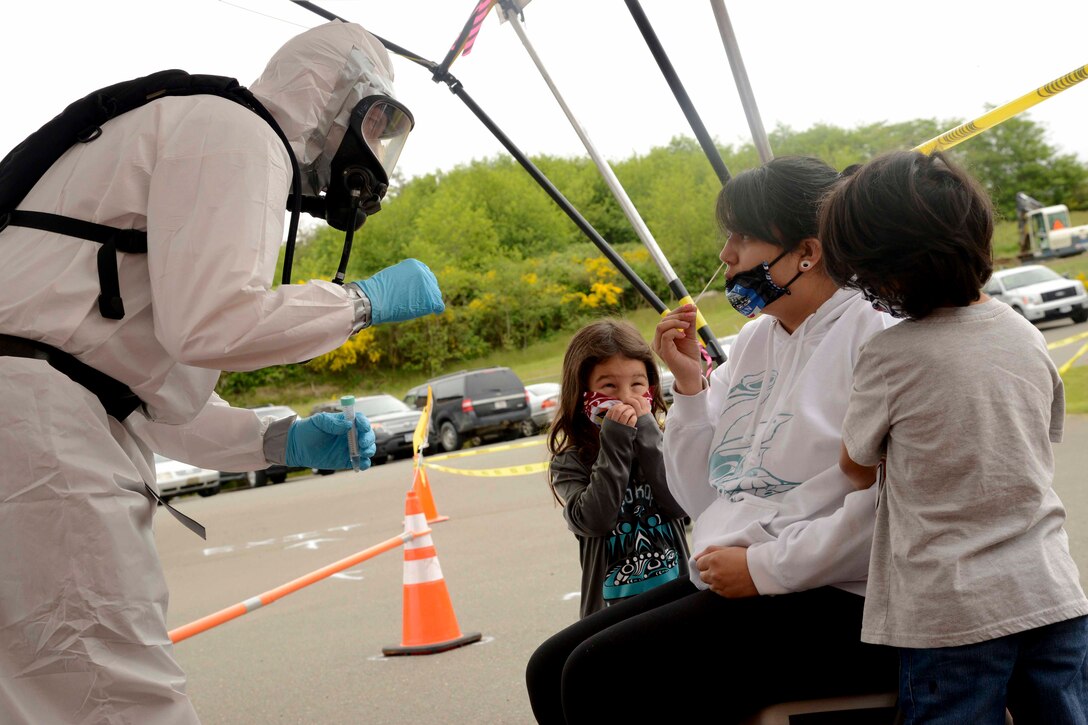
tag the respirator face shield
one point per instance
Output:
(384, 125)
(359, 174)
(377, 130)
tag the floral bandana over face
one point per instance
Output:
(597, 404)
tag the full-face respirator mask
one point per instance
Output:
(360, 170)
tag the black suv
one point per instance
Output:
(486, 403)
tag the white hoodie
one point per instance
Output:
(754, 459)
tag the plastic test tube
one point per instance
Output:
(347, 404)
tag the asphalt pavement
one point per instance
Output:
(314, 657)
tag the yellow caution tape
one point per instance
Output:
(948, 139)
(494, 472)
(1065, 368)
(489, 449)
(522, 470)
(1066, 341)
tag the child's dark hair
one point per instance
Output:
(911, 230)
(594, 343)
(777, 202)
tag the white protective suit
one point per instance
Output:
(83, 599)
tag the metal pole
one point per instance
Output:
(648, 34)
(628, 207)
(392, 47)
(740, 77)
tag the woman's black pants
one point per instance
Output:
(677, 649)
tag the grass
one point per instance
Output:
(542, 361)
(1076, 390)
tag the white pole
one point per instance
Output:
(740, 77)
(606, 171)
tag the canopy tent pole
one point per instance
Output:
(740, 77)
(628, 207)
(648, 34)
(458, 90)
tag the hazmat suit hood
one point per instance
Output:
(311, 85)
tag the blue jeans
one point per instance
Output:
(1040, 675)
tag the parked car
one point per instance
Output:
(391, 419)
(667, 377)
(1039, 293)
(486, 403)
(175, 478)
(543, 402)
(277, 472)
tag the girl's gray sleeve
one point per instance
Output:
(651, 461)
(592, 496)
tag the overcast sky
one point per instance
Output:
(838, 62)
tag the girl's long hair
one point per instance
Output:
(592, 344)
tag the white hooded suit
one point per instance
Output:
(82, 595)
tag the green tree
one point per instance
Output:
(1014, 156)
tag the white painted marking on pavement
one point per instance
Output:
(346, 527)
(300, 537)
(310, 544)
(262, 542)
(355, 575)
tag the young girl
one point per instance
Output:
(607, 468)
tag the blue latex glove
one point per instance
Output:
(402, 292)
(321, 441)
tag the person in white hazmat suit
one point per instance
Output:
(83, 599)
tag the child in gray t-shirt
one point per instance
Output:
(970, 574)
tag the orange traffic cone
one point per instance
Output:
(422, 488)
(430, 625)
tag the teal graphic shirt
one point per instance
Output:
(630, 530)
(643, 550)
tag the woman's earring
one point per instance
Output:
(806, 264)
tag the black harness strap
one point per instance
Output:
(125, 240)
(113, 240)
(116, 397)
